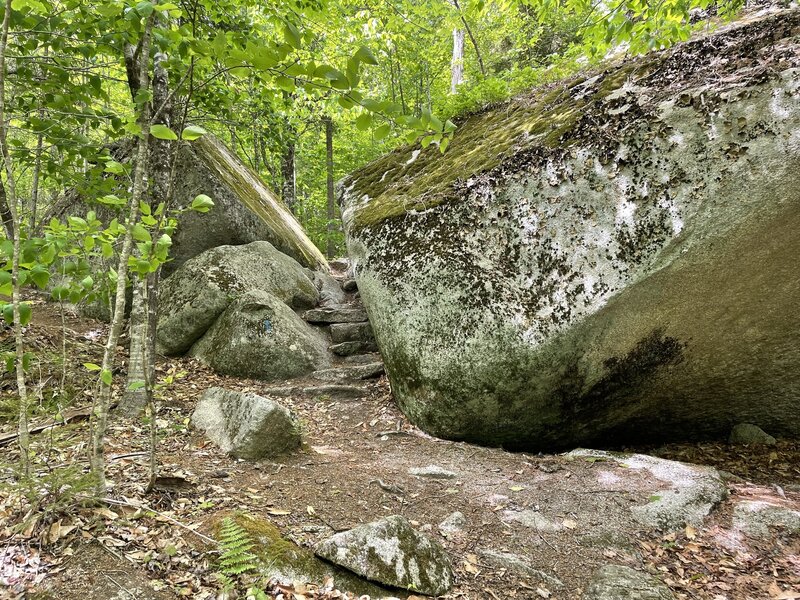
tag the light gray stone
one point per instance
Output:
(246, 425)
(352, 332)
(330, 292)
(432, 472)
(351, 348)
(336, 392)
(259, 337)
(692, 494)
(747, 433)
(391, 552)
(336, 314)
(617, 582)
(453, 525)
(755, 518)
(519, 565)
(532, 519)
(568, 275)
(195, 295)
(350, 373)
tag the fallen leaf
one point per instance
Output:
(277, 512)
(691, 532)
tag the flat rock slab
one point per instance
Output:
(390, 551)
(517, 564)
(336, 314)
(352, 373)
(453, 526)
(616, 582)
(336, 392)
(533, 519)
(691, 493)
(352, 332)
(351, 348)
(246, 425)
(432, 472)
(755, 518)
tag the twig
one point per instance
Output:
(160, 514)
(114, 581)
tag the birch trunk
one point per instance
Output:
(331, 249)
(457, 64)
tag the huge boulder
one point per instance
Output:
(197, 293)
(259, 337)
(611, 259)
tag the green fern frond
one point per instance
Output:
(235, 545)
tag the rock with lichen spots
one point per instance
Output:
(610, 259)
(755, 518)
(197, 293)
(617, 582)
(392, 553)
(259, 337)
(747, 433)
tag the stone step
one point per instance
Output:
(333, 391)
(350, 348)
(336, 314)
(363, 359)
(352, 332)
(353, 373)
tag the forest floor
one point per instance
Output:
(353, 468)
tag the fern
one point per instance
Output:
(235, 556)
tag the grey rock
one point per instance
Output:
(352, 332)
(548, 283)
(350, 285)
(432, 472)
(246, 425)
(617, 582)
(195, 295)
(453, 525)
(693, 491)
(336, 314)
(533, 519)
(259, 337)
(755, 518)
(519, 565)
(330, 292)
(351, 373)
(747, 433)
(363, 359)
(351, 348)
(391, 552)
(336, 392)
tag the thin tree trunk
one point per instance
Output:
(331, 246)
(99, 422)
(289, 175)
(457, 64)
(11, 192)
(5, 212)
(471, 37)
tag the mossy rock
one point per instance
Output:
(287, 562)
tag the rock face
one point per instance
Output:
(756, 518)
(246, 425)
(259, 337)
(197, 294)
(391, 552)
(608, 260)
(245, 209)
(616, 582)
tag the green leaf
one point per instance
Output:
(8, 313)
(363, 122)
(113, 166)
(140, 234)
(136, 385)
(25, 313)
(292, 35)
(192, 133)
(382, 131)
(162, 132)
(202, 204)
(91, 367)
(5, 277)
(40, 277)
(365, 55)
(444, 144)
(106, 377)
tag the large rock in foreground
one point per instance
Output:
(259, 337)
(246, 425)
(197, 293)
(609, 260)
(391, 552)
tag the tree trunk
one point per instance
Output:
(16, 226)
(457, 64)
(331, 249)
(471, 37)
(289, 176)
(99, 421)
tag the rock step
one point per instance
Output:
(351, 348)
(352, 332)
(336, 314)
(363, 359)
(350, 373)
(332, 391)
